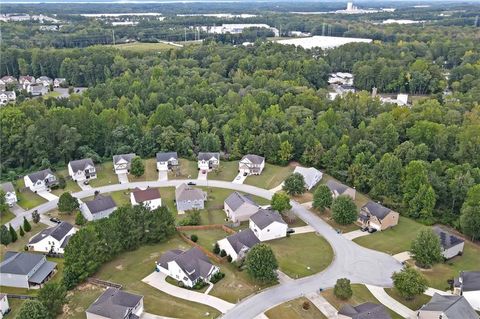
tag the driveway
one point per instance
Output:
(277, 189)
(16, 209)
(157, 280)
(303, 230)
(402, 257)
(47, 195)
(163, 175)
(355, 234)
(123, 178)
(389, 302)
(147, 315)
(46, 220)
(83, 186)
(202, 176)
(323, 305)
(239, 179)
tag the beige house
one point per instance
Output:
(373, 215)
(239, 207)
(339, 189)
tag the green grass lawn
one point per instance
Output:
(327, 217)
(131, 267)
(413, 304)
(207, 238)
(15, 305)
(105, 175)
(79, 300)
(139, 47)
(70, 186)
(395, 240)
(314, 256)
(150, 174)
(168, 197)
(226, 172)
(293, 310)
(186, 169)
(22, 241)
(27, 199)
(6, 217)
(360, 295)
(272, 176)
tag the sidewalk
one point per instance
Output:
(277, 189)
(389, 302)
(323, 305)
(431, 291)
(402, 257)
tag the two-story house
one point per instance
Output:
(239, 207)
(149, 197)
(189, 198)
(26, 80)
(122, 163)
(53, 239)
(166, 160)
(376, 216)
(208, 161)
(268, 224)
(44, 80)
(10, 195)
(238, 244)
(468, 286)
(59, 82)
(251, 164)
(98, 208)
(116, 304)
(40, 181)
(447, 307)
(81, 170)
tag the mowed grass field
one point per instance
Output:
(414, 304)
(272, 176)
(139, 47)
(293, 310)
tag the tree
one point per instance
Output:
(53, 296)
(13, 233)
(422, 205)
(322, 197)
(5, 236)
(137, 168)
(79, 219)
(281, 202)
(261, 263)
(415, 176)
(26, 225)
(67, 203)
(426, 249)
(35, 218)
(33, 309)
(344, 210)
(409, 283)
(470, 213)
(386, 175)
(294, 184)
(342, 289)
(285, 153)
(3, 202)
(22, 232)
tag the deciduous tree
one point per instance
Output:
(426, 249)
(261, 263)
(409, 283)
(281, 202)
(137, 167)
(322, 197)
(53, 296)
(67, 203)
(344, 210)
(33, 309)
(294, 184)
(342, 289)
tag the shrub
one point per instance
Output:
(194, 238)
(306, 305)
(216, 249)
(26, 225)
(223, 253)
(217, 277)
(229, 258)
(80, 220)
(342, 289)
(409, 283)
(199, 285)
(192, 219)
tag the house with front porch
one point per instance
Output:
(251, 164)
(166, 161)
(53, 239)
(40, 181)
(208, 161)
(122, 163)
(10, 195)
(376, 216)
(81, 170)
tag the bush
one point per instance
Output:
(199, 285)
(344, 210)
(229, 258)
(192, 219)
(217, 277)
(342, 289)
(194, 238)
(409, 283)
(216, 249)
(80, 220)
(306, 305)
(223, 253)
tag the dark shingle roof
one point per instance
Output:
(147, 194)
(205, 156)
(447, 240)
(193, 262)
(367, 310)
(114, 303)
(7, 187)
(265, 217)
(19, 263)
(244, 238)
(454, 307)
(58, 232)
(165, 156)
(40, 175)
(81, 165)
(336, 186)
(376, 209)
(255, 159)
(235, 200)
(470, 280)
(100, 204)
(126, 157)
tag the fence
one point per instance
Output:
(103, 283)
(22, 297)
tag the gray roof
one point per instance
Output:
(65, 241)
(235, 200)
(100, 204)
(185, 192)
(265, 217)
(81, 165)
(58, 232)
(7, 187)
(336, 186)
(205, 156)
(367, 310)
(447, 240)
(40, 175)
(245, 238)
(114, 303)
(126, 157)
(44, 78)
(308, 174)
(470, 280)
(166, 156)
(255, 159)
(193, 262)
(19, 263)
(376, 209)
(42, 272)
(454, 307)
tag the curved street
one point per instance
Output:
(359, 264)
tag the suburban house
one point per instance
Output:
(8, 79)
(44, 80)
(10, 195)
(81, 170)
(251, 164)
(468, 286)
(451, 245)
(367, 310)
(116, 304)
(25, 270)
(37, 89)
(338, 189)
(4, 306)
(149, 197)
(122, 163)
(98, 208)
(238, 244)
(59, 82)
(310, 175)
(208, 161)
(374, 215)
(447, 307)
(26, 80)
(188, 198)
(53, 239)
(268, 224)
(188, 267)
(239, 207)
(40, 181)
(7, 96)
(166, 160)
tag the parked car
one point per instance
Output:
(55, 220)
(364, 228)
(290, 231)
(191, 183)
(204, 171)
(372, 230)
(86, 182)
(245, 174)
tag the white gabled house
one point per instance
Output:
(268, 224)
(81, 170)
(238, 244)
(59, 81)
(149, 197)
(26, 80)
(40, 181)
(53, 239)
(122, 163)
(4, 306)
(37, 89)
(8, 79)
(208, 161)
(7, 96)
(251, 164)
(166, 160)
(311, 176)
(188, 267)
(10, 195)
(98, 208)
(45, 81)
(468, 286)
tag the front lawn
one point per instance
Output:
(395, 240)
(226, 172)
(208, 237)
(413, 304)
(6, 217)
(293, 310)
(327, 217)
(272, 176)
(302, 255)
(26, 198)
(150, 174)
(70, 185)
(186, 169)
(105, 175)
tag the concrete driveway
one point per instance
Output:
(303, 230)
(355, 234)
(162, 175)
(123, 178)
(202, 176)
(47, 195)
(16, 209)
(239, 179)
(389, 302)
(83, 186)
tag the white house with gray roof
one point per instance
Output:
(81, 170)
(40, 181)
(188, 267)
(122, 163)
(268, 224)
(4, 306)
(59, 82)
(311, 176)
(447, 307)
(251, 164)
(149, 198)
(53, 239)
(238, 244)
(116, 304)
(166, 160)
(10, 195)
(98, 208)
(45, 81)
(366, 310)
(468, 285)
(451, 245)
(374, 215)
(339, 189)
(189, 198)
(208, 161)
(239, 207)
(25, 270)
(37, 89)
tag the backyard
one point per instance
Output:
(79, 300)
(272, 176)
(293, 310)
(22, 241)
(413, 304)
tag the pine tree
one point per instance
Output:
(13, 233)
(26, 225)
(22, 232)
